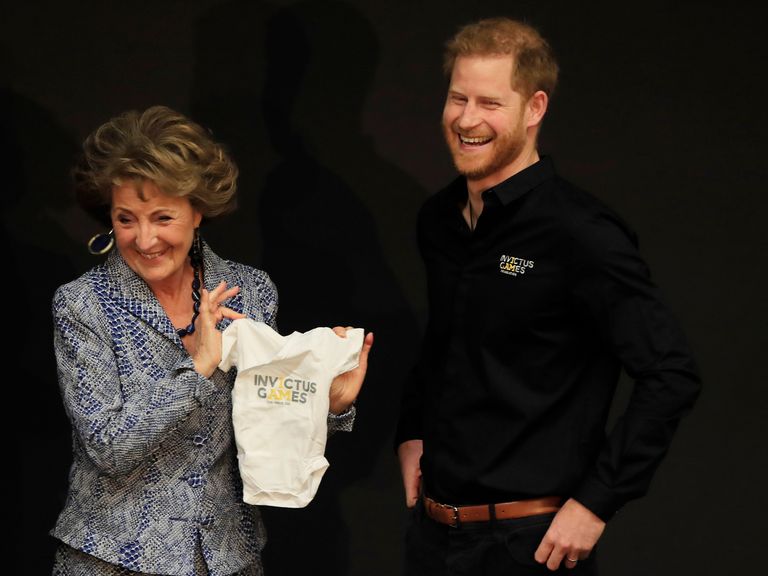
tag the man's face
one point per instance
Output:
(484, 118)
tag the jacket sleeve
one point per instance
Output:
(614, 289)
(117, 430)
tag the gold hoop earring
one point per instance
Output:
(101, 243)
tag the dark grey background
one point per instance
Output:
(332, 111)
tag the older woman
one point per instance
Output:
(154, 485)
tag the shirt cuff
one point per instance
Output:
(598, 498)
(406, 431)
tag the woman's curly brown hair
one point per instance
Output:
(161, 145)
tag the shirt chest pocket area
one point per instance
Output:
(510, 294)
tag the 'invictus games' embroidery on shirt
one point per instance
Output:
(513, 265)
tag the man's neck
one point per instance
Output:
(477, 187)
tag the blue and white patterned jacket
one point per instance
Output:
(154, 470)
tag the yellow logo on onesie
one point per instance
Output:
(282, 390)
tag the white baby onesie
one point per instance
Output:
(280, 406)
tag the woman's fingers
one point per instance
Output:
(229, 313)
(227, 294)
(221, 294)
(214, 301)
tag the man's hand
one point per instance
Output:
(409, 453)
(573, 533)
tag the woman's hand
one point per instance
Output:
(345, 387)
(208, 338)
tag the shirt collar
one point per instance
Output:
(515, 186)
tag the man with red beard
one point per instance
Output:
(538, 298)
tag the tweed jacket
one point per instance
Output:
(154, 472)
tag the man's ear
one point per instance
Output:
(535, 108)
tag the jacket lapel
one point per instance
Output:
(216, 270)
(129, 292)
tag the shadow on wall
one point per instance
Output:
(229, 71)
(286, 89)
(37, 252)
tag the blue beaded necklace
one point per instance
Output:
(196, 258)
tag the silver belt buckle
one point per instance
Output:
(456, 519)
(455, 510)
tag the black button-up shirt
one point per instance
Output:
(531, 317)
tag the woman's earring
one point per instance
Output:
(196, 250)
(101, 243)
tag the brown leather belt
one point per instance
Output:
(457, 515)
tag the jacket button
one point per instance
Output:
(206, 522)
(200, 440)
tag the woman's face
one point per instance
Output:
(153, 231)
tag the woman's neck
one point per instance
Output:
(175, 289)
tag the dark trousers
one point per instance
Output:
(480, 549)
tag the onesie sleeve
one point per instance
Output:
(345, 352)
(344, 355)
(229, 347)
